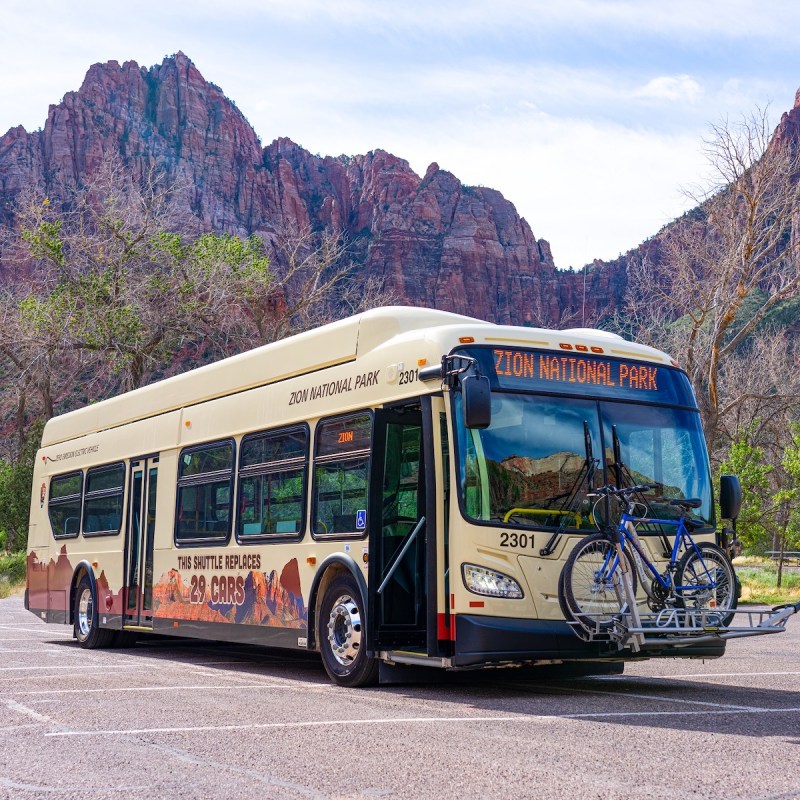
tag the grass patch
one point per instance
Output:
(12, 573)
(759, 578)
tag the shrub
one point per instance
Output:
(12, 567)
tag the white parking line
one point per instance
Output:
(284, 725)
(44, 631)
(419, 720)
(18, 639)
(104, 668)
(663, 699)
(17, 624)
(680, 677)
(721, 712)
(13, 705)
(147, 689)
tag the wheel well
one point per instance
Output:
(80, 571)
(331, 573)
(328, 574)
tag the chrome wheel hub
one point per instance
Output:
(85, 612)
(344, 630)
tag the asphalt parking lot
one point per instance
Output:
(190, 719)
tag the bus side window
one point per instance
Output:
(273, 467)
(64, 505)
(341, 476)
(102, 505)
(205, 477)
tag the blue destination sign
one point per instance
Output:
(586, 374)
(575, 369)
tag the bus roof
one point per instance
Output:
(326, 346)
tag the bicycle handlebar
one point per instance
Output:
(612, 491)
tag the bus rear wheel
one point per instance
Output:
(341, 634)
(86, 630)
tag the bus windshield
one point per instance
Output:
(542, 455)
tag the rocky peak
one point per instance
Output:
(434, 241)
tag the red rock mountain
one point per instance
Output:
(435, 241)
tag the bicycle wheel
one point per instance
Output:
(586, 591)
(707, 581)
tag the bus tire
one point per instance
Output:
(341, 634)
(85, 627)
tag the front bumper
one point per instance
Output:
(484, 641)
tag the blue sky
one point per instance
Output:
(588, 115)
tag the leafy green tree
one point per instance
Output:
(107, 294)
(15, 492)
(111, 288)
(114, 281)
(787, 500)
(747, 461)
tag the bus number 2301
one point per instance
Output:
(408, 376)
(521, 540)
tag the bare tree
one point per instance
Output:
(37, 365)
(317, 282)
(246, 297)
(760, 390)
(94, 285)
(712, 279)
(113, 289)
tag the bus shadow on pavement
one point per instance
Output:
(638, 701)
(653, 703)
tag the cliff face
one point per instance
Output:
(433, 240)
(788, 130)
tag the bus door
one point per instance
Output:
(398, 531)
(139, 542)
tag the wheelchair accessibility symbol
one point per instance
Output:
(361, 519)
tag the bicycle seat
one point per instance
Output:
(687, 502)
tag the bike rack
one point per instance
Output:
(672, 627)
(683, 627)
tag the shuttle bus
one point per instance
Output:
(398, 489)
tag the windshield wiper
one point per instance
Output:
(625, 478)
(577, 493)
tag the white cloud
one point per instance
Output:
(587, 115)
(776, 20)
(673, 88)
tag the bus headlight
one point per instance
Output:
(481, 580)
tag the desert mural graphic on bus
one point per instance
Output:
(257, 598)
(253, 598)
(49, 584)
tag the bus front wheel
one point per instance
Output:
(341, 634)
(88, 634)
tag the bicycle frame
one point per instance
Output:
(600, 600)
(683, 540)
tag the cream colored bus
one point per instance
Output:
(397, 489)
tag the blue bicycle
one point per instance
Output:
(698, 577)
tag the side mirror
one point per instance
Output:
(477, 399)
(730, 496)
